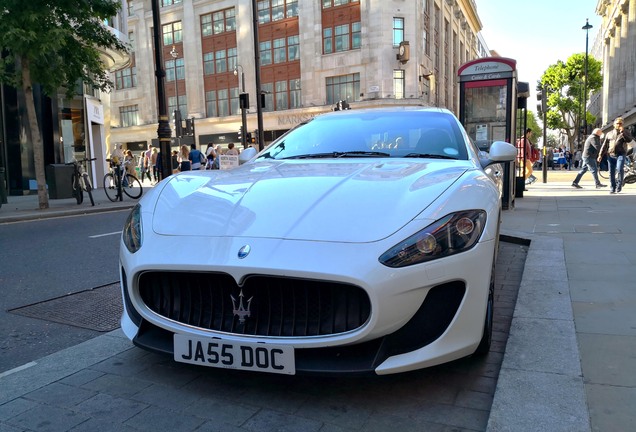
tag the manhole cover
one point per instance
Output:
(96, 309)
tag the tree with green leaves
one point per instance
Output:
(531, 122)
(564, 83)
(56, 44)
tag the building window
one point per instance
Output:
(169, 2)
(268, 90)
(222, 102)
(210, 103)
(232, 61)
(341, 38)
(282, 95)
(285, 49)
(220, 61)
(129, 115)
(176, 66)
(218, 22)
(294, 94)
(280, 53)
(208, 63)
(293, 48)
(266, 53)
(292, 8)
(183, 105)
(344, 87)
(356, 35)
(327, 41)
(276, 10)
(398, 83)
(132, 42)
(234, 101)
(398, 31)
(172, 33)
(129, 3)
(333, 3)
(126, 78)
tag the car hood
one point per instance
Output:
(302, 200)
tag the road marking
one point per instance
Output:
(104, 235)
(18, 369)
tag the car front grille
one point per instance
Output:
(262, 306)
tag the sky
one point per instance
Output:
(537, 33)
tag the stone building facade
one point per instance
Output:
(312, 53)
(616, 48)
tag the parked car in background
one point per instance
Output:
(361, 241)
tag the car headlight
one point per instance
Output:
(131, 234)
(450, 235)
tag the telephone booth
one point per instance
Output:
(487, 108)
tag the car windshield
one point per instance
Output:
(373, 134)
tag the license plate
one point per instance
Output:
(232, 355)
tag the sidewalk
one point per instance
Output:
(571, 353)
(570, 358)
(23, 208)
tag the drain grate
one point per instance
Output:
(96, 309)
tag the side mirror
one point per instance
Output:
(500, 151)
(247, 155)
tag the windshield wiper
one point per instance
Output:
(429, 155)
(311, 156)
(361, 153)
(339, 155)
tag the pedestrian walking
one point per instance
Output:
(143, 167)
(210, 155)
(156, 167)
(174, 160)
(591, 150)
(184, 159)
(615, 148)
(524, 156)
(196, 157)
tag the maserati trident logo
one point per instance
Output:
(240, 310)
(244, 251)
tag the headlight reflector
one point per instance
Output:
(132, 234)
(450, 235)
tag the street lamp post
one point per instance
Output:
(587, 28)
(177, 111)
(243, 102)
(257, 72)
(163, 128)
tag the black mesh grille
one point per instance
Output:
(283, 307)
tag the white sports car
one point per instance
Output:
(362, 241)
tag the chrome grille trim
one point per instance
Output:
(280, 307)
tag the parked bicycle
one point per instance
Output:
(81, 181)
(119, 182)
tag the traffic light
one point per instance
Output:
(249, 138)
(240, 133)
(541, 104)
(189, 127)
(254, 139)
(244, 100)
(178, 125)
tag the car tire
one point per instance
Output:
(486, 339)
